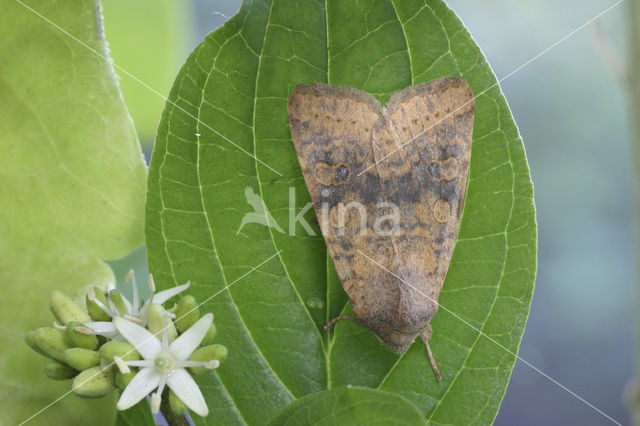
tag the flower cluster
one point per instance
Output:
(136, 346)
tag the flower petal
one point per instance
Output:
(140, 363)
(167, 294)
(142, 383)
(188, 341)
(102, 326)
(185, 388)
(144, 342)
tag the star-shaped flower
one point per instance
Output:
(164, 364)
(134, 311)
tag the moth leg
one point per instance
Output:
(339, 318)
(425, 336)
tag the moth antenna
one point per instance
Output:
(436, 372)
(339, 318)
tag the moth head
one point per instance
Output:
(396, 340)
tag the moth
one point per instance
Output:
(387, 184)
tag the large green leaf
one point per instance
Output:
(72, 189)
(349, 405)
(230, 104)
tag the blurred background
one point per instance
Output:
(572, 107)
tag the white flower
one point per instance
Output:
(134, 311)
(164, 364)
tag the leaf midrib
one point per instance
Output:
(328, 264)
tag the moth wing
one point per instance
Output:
(332, 131)
(422, 153)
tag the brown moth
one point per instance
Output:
(366, 165)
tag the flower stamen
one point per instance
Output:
(122, 366)
(213, 364)
(155, 402)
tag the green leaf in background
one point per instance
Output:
(71, 193)
(138, 415)
(230, 104)
(350, 405)
(147, 38)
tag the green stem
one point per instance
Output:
(171, 418)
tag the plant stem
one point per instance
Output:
(172, 419)
(634, 86)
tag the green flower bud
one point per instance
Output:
(81, 358)
(118, 302)
(122, 379)
(157, 321)
(187, 313)
(51, 341)
(211, 334)
(66, 310)
(113, 348)
(58, 371)
(177, 406)
(29, 339)
(81, 340)
(94, 382)
(207, 353)
(95, 311)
